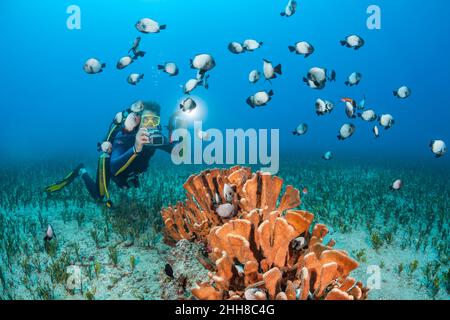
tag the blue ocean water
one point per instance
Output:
(53, 109)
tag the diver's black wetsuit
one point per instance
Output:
(124, 166)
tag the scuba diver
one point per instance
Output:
(132, 139)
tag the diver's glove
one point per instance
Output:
(106, 147)
(142, 138)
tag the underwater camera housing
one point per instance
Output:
(156, 138)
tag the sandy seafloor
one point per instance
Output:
(148, 280)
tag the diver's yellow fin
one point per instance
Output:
(64, 182)
(57, 186)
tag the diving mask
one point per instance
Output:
(150, 121)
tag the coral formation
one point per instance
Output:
(194, 218)
(264, 249)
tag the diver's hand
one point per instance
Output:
(142, 138)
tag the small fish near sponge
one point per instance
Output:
(265, 249)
